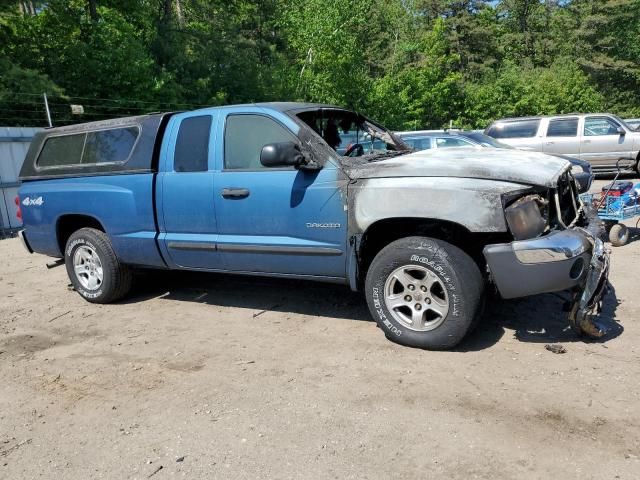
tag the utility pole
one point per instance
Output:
(46, 107)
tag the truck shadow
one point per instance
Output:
(538, 319)
(253, 293)
(634, 236)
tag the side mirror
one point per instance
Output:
(622, 131)
(282, 154)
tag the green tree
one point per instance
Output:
(515, 91)
(425, 92)
(608, 48)
(326, 39)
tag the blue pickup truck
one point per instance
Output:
(313, 192)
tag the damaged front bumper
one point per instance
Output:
(574, 259)
(587, 302)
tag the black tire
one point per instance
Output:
(619, 235)
(451, 268)
(116, 277)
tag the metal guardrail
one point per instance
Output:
(14, 143)
(15, 139)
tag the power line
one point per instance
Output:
(59, 106)
(114, 100)
(20, 110)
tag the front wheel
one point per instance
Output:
(93, 268)
(424, 292)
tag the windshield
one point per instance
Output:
(485, 140)
(351, 134)
(633, 123)
(623, 123)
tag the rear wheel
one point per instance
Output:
(94, 269)
(424, 292)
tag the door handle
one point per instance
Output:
(550, 143)
(235, 193)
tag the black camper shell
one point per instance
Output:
(108, 147)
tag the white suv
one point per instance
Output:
(601, 139)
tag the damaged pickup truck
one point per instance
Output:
(262, 190)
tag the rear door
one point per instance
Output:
(602, 144)
(562, 136)
(185, 192)
(276, 220)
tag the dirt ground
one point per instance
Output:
(210, 376)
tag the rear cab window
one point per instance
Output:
(515, 129)
(192, 145)
(90, 148)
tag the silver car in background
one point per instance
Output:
(601, 139)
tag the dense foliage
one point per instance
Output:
(407, 63)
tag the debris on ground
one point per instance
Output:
(155, 471)
(4, 453)
(555, 348)
(273, 307)
(60, 316)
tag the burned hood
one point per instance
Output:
(517, 166)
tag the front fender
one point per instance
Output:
(475, 204)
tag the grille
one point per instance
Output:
(567, 201)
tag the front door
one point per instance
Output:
(276, 220)
(603, 145)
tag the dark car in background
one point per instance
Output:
(633, 123)
(434, 139)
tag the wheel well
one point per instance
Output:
(67, 224)
(383, 232)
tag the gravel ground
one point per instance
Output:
(208, 376)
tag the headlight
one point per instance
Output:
(525, 217)
(576, 169)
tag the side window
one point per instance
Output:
(418, 143)
(422, 144)
(563, 127)
(518, 129)
(595, 126)
(102, 146)
(192, 145)
(446, 142)
(63, 150)
(107, 146)
(244, 137)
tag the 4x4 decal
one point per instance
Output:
(30, 202)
